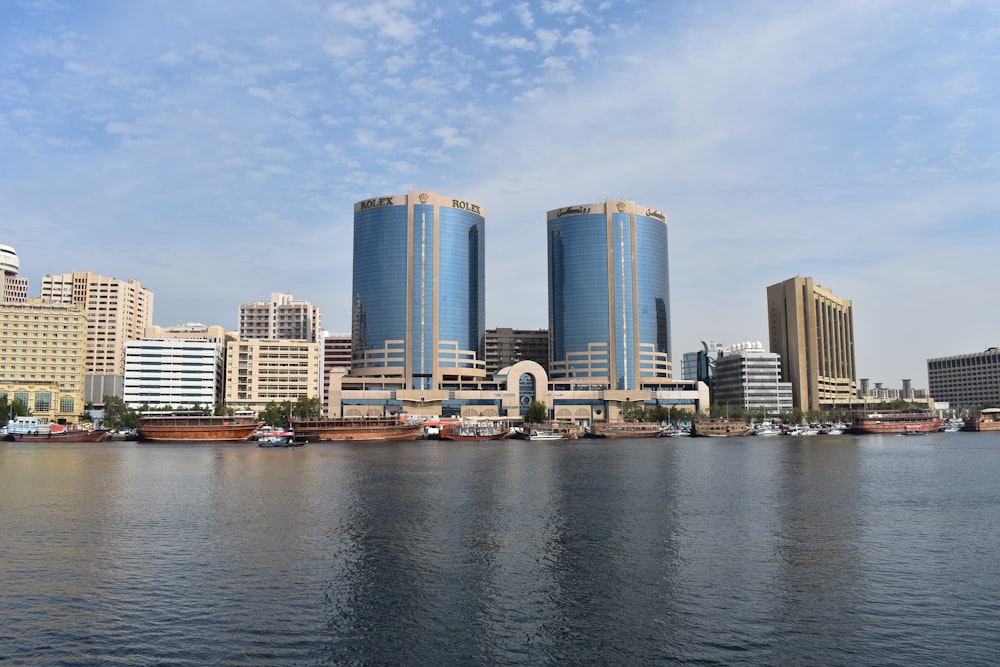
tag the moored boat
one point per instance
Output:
(895, 422)
(988, 419)
(472, 430)
(356, 428)
(197, 428)
(953, 426)
(719, 428)
(281, 441)
(32, 429)
(625, 430)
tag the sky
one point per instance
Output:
(214, 150)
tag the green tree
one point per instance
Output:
(277, 414)
(537, 413)
(633, 412)
(795, 417)
(307, 407)
(119, 415)
(658, 415)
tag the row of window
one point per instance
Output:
(42, 402)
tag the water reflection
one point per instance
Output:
(821, 550)
(819, 586)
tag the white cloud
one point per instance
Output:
(450, 137)
(488, 19)
(583, 39)
(171, 58)
(343, 46)
(523, 12)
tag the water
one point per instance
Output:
(832, 550)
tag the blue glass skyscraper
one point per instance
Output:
(609, 296)
(419, 289)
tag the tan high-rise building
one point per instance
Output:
(261, 371)
(42, 353)
(117, 311)
(812, 330)
(280, 318)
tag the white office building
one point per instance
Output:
(747, 377)
(161, 372)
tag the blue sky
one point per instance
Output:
(214, 150)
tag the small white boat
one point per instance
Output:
(546, 435)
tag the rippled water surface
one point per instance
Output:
(834, 550)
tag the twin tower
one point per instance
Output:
(419, 293)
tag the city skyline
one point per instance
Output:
(214, 153)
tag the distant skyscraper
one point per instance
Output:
(117, 311)
(812, 330)
(13, 288)
(281, 318)
(419, 289)
(609, 295)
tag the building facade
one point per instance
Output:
(419, 290)
(13, 288)
(749, 378)
(281, 318)
(173, 372)
(966, 380)
(812, 330)
(261, 371)
(43, 350)
(336, 361)
(505, 347)
(117, 311)
(609, 295)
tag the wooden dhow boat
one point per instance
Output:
(625, 430)
(356, 428)
(197, 428)
(988, 419)
(719, 428)
(472, 430)
(895, 422)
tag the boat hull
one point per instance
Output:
(987, 420)
(447, 434)
(629, 430)
(65, 436)
(895, 423)
(719, 429)
(355, 429)
(196, 429)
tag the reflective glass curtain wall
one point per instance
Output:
(609, 304)
(419, 281)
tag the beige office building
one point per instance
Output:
(42, 358)
(812, 330)
(13, 288)
(117, 311)
(261, 371)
